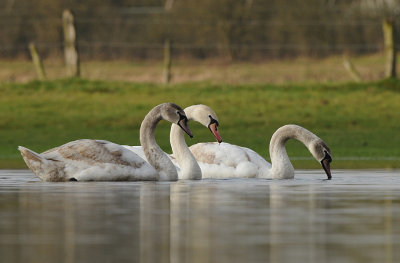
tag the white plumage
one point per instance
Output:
(231, 161)
(185, 163)
(88, 160)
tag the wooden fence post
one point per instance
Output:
(390, 48)
(37, 62)
(168, 5)
(351, 69)
(167, 61)
(71, 55)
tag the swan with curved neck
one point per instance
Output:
(227, 160)
(98, 160)
(186, 164)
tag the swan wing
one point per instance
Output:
(264, 167)
(228, 161)
(93, 151)
(139, 151)
(99, 160)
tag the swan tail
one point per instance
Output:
(36, 162)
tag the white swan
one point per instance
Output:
(181, 156)
(98, 160)
(228, 161)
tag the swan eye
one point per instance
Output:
(181, 116)
(212, 120)
(327, 156)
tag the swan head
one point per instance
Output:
(173, 113)
(206, 116)
(322, 153)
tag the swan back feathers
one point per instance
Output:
(86, 160)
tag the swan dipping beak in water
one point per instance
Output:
(226, 160)
(326, 164)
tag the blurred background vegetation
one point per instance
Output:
(227, 29)
(259, 64)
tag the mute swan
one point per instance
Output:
(98, 160)
(229, 161)
(181, 156)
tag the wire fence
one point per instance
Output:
(245, 30)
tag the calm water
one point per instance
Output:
(353, 218)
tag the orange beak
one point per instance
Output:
(214, 130)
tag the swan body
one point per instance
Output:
(88, 160)
(137, 150)
(98, 160)
(184, 161)
(228, 160)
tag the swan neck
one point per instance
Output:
(189, 168)
(154, 154)
(281, 165)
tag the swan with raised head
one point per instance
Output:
(186, 164)
(229, 161)
(98, 160)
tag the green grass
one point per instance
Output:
(355, 120)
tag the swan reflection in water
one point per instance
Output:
(204, 221)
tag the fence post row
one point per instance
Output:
(72, 64)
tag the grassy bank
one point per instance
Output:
(292, 70)
(358, 121)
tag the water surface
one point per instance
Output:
(355, 217)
